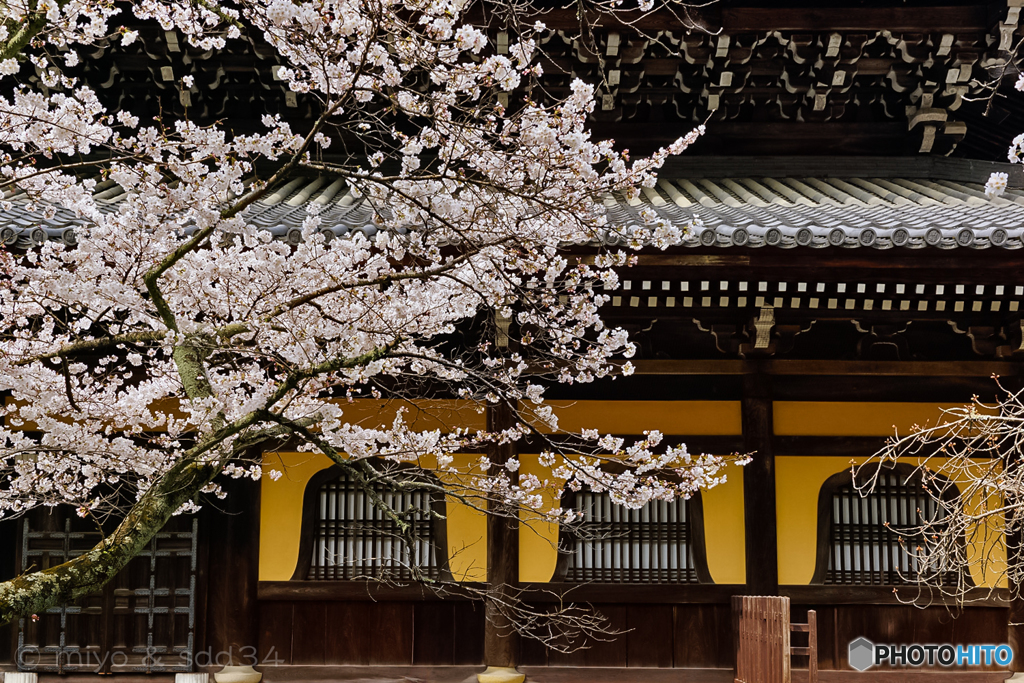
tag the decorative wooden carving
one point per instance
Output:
(813, 75)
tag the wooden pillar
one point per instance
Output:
(8, 570)
(501, 643)
(762, 550)
(1015, 556)
(232, 529)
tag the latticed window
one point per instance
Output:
(143, 620)
(350, 537)
(865, 532)
(659, 543)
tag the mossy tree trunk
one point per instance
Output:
(87, 573)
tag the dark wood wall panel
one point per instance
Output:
(275, 631)
(900, 624)
(332, 633)
(443, 633)
(349, 639)
(8, 570)
(229, 535)
(615, 652)
(826, 617)
(309, 626)
(651, 635)
(434, 630)
(649, 641)
(469, 633)
(533, 653)
(703, 636)
(392, 626)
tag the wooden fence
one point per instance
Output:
(763, 649)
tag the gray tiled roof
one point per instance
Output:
(858, 212)
(780, 212)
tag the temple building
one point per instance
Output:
(851, 279)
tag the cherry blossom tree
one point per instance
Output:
(969, 467)
(173, 340)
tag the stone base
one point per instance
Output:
(20, 677)
(237, 674)
(191, 678)
(500, 674)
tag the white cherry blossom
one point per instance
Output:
(173, 339)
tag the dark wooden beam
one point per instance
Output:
(850, 388)
(1015, 624)
(761, 138)
(232, 529)
(927, 167)
(618, 593)
(501, 642)
(1015, 618)
(360, 591)
(844, 446)
(961, 266)
(839, 446)
(8, 570)
(910, 266)
(965, 368)
(853, 388)
(722, 593)
(680, 17)
(762, 551)
(826, 18)
(884, 595)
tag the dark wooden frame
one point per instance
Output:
(698, 549)
(824, 549)
(308, 526)
(107, 635)
(630, 594)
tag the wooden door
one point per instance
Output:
(144, 620)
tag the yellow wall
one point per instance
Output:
(466, 528)
(538, 540)
(807, 418)
(281, 503)
(281, 521)
(467, 541)
(724, 535)
(368, 412)
(634, 417)
(281, 511)
(798, 482)
(798, 479)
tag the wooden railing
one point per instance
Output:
(811, 651)
(763, 651)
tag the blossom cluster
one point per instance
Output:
(996, 183)
(174, 329)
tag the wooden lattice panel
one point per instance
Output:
(873, 537)
(354, 538)
(143, 620)
(618, 545)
